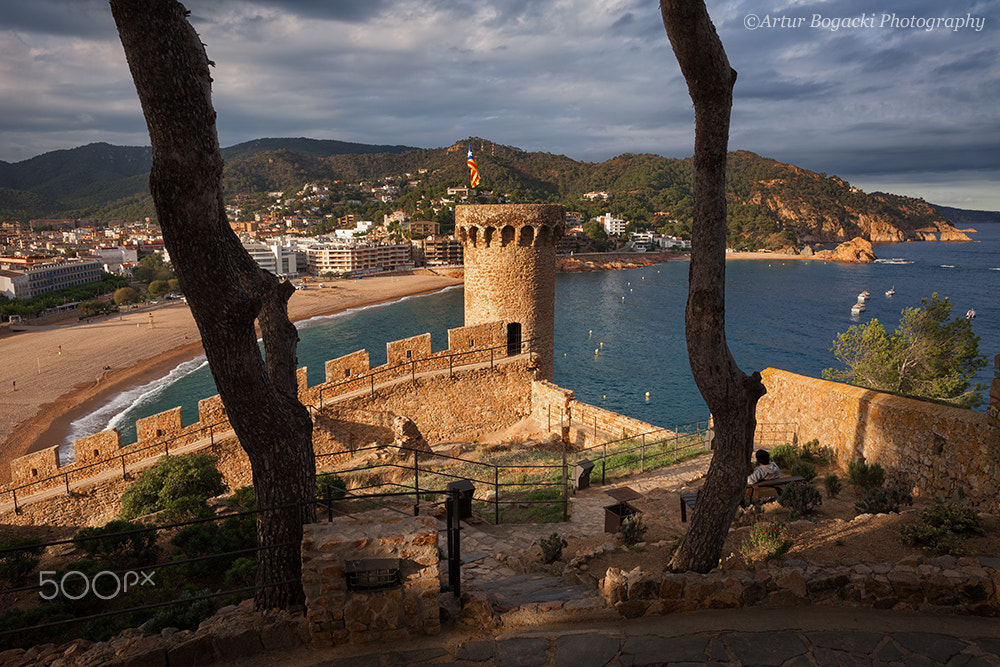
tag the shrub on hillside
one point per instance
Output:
(18, 564)
(801, 498)
(806, 471)
(941, 528)
(119, 542)
(883, 501)
(786, 455)
(172, 478)
(866, 477)
(832, 484)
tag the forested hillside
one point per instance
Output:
(771, 204)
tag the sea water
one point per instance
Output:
(619, 335)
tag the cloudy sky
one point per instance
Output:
(903, 98)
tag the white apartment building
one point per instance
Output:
(279, 259)
(325, 256)
(36, 279)
(611, 224)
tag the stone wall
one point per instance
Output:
(336, 614)
(939, 448)
(966, 586)
(553, 407)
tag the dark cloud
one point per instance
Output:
(590, 79)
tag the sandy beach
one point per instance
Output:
(53, 374)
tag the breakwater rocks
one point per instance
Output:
(605, 261)
(945, 584)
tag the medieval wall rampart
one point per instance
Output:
(468, 395)
(940, 448)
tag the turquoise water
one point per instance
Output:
(782, 314)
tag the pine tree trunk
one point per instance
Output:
(730, 394)
(225, 289)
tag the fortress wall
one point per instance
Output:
(34, 466)
(475, 402)
(347, 366)
(589, 419)
(940, 448)
(553, 407)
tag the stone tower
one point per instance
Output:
(510, 267)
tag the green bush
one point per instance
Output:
(883, 501)
(832, 484)
(866, 477)
(552, 547)
(215, 538)
(108, 543)
(941, 528)
(334, 482)
(786, 455)
(632, 529)
(244, 499)
(814, 453)
(15, 566)
(806, 471)
(242, 573)
(173, 477)
(801, 498)
(186, 614)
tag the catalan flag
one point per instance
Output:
(473, 169)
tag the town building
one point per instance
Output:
(28, 277)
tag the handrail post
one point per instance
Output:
(491, 356)
(642, 454)
(123, 466)
(416, 484)
(565, 479)
(496, 495)
(66, 476)
(454, 543)
(604, 461)
(413, 370)
(328, 498)
(17, 510)
(211, 434)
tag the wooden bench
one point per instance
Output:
(754, 491)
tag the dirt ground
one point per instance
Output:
(833, 535)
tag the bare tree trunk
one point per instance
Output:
(731, 395)
(226, 290)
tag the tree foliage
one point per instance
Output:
(930, 355)
(172, 478)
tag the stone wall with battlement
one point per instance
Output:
(940, 448)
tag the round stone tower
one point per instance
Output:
(510, 271)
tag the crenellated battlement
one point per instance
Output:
(165, 431)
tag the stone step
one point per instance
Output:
(527, 589)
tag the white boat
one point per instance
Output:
(890, 291)
(857, 308)
(863, 297)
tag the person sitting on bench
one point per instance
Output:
(765, 468)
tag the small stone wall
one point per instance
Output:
(553, 407)
(337, 615)
(949, 585)
(940, 448)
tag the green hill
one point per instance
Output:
(771, 204)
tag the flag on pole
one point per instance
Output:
(473, 169)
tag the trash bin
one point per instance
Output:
(465, 490)
(581, 474)
(614, 515)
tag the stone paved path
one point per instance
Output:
(779, 637)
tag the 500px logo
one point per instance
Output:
(105, 584)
